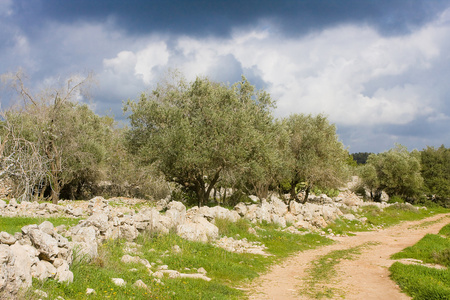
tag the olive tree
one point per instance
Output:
(397, 172)
(198, 132)
(436, 171)
(315, 156)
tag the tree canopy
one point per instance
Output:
(436, 171)
(199, 131)
(315, 155)
(396, 171)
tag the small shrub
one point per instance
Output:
(396, 199)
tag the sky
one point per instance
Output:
(378, 69)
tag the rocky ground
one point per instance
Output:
(43, 251)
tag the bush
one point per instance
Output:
(396, 199)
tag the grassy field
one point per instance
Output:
(423, 282)
(227, 270)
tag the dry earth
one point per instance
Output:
(365, 276)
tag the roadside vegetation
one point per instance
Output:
(380, 218)
(228, 271)
(424, 282)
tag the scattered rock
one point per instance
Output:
(118, 281)
(90, 291)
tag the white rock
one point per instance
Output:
(140, 285)
(90, 291)
(118, 281)
(6, 238)
(41, 293)
(43, 270)
(158, 274)
(22, 266)
(47, 227)
(43, 242)
(199, 229)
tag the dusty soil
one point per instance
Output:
(365, 276)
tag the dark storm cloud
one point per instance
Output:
(206, 17)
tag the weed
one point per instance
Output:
(15, 224)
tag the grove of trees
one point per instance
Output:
(195, 137)
(413, 176)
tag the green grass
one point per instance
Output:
(15, 224)
(426, 250)
(377, 217)
(422, 282)
(227, 270)
(445, 231)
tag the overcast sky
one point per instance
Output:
(380, 70)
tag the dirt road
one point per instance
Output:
(365, 276)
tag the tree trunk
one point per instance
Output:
(308, 188)
(293, 192)
(55, 193)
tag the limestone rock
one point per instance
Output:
(241, 209)
(118, 281)
(6, 238)
(43, 242)
(140, 285)
(43, 270)
(199, 229)
(22, 266)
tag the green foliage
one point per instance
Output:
(396, 171)
(428, 250)
(445, 230)
(361, 157)
(396, 199)
(315, 155)
(202, 132)
(329, 192)
(436, 172)
(351, 162)
(52, 140)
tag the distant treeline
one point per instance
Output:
(361, 157)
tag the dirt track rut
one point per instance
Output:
(366, 276)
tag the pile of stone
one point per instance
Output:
(35, 252)
(30, 209)
(308, 215)
(241, 246)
